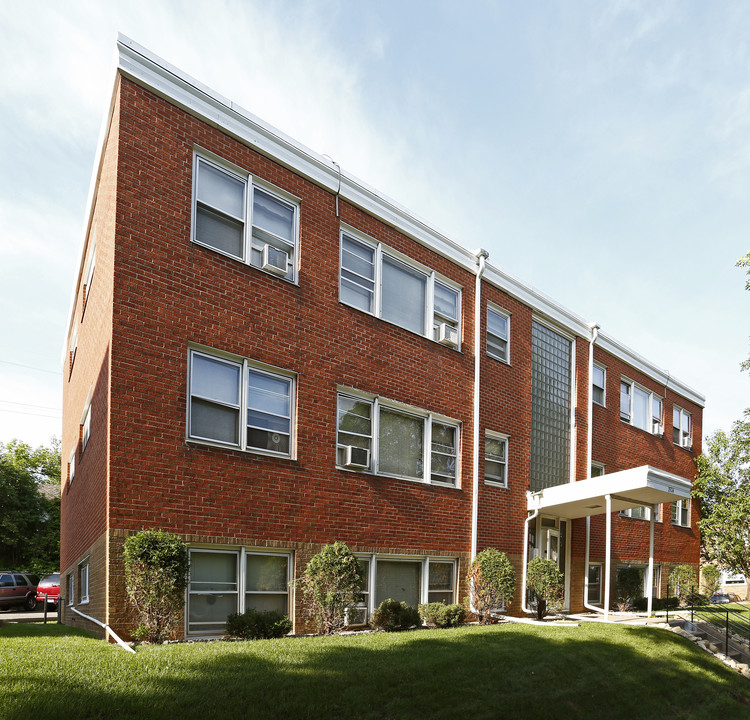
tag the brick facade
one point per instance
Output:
(156, 294)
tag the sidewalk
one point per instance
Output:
(12, 615)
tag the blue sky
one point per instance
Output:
(599, 150)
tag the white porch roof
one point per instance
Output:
(644, 485)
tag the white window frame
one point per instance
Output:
(654, 425)
(72, 465)
(598, 466)
(598, 600)
(432, 317)
(499, 437)
(264, 552)
(428, 418)
(71, 585)
(493, 309)
(643, 512)
(681, 512)
(250, 183)
(73, 346)
(602, 387)
(83, 575)
(246, 366)
(681, 438)
(86, 425)
(88, 278)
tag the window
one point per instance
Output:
(71, 466)
(681, 513)
(71, 589)
(496, 460)
(384, 283)
(360, 614)
(596, 470)
(640, 407)
(599, 384)
(639, 513)
(83, 581)
(235, 402)
(396, 440)
(89, 276)
(86, 426)
(245, 218)
(681, 427)
(213, 590)
(267, 582)
(441, 584)
(594, 591)
(73, 346)
(498, 334)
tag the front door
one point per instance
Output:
(550, 546)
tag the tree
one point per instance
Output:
(683, 581)
(331, 584)
(723, 488)
(30, 507)
(492, 582)
(156, 575)
(711, 579)
(547, 585)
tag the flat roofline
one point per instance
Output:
(645, 485)
(149, 70)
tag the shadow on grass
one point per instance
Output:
(501, 671)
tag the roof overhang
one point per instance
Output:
(627, 489)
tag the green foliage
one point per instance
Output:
(492, 581)
(255, 625)
(629, 586)
(683, 580)
(657, 604)
(331, 584)
(156, 575)
(722, 487)
(744, 262)
(30, 502)
(392, 616)
(546, 583)
(711, 579)
(442, 615)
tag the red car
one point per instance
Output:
(49, 586)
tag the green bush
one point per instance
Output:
(442, 615)
(656, 604)
(255, 625)
(546, 583)
(629, 586)
(711, 579)
(492, 582)
(392, 615)
(332, 585)
(683, 581)
(156, 575)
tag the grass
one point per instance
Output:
(521, 671)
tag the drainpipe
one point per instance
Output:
(586, 603)
(482, 256)
(526, 525)
(589, 439)
(114, 635)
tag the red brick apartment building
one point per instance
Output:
(266, 355)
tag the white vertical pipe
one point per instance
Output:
(608, 552)
(650, 593)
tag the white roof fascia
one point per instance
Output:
(151, 71)
(645, 485)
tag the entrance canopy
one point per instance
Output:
(627, 489)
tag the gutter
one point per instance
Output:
(107, 628)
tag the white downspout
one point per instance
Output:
(482, 256)
(650, 593)
(116, 637)
(608, 553)
(526, 524)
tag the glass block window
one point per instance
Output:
(550, 407)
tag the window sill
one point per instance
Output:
(235, 448)
(493, 483)
(370, 473)
(500, 360)
(290, 281)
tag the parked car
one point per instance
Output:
(50, 586)
(18, 589)
(719, 599)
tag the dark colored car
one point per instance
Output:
(18, 588)
(49, 586)
(720, 599)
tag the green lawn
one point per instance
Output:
(501, 671)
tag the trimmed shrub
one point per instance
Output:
(656, 604)
(331, 585)
(392, 616)
(546, 583)
(442, 615)
(492, 581)
(629, 587)
(156, 575)
(255, 625)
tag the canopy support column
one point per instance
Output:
(650, 580)
(608, 553)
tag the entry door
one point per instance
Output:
(551, 545)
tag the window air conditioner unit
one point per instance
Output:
(686, 441)
(275, 261)
(356, 457)
(657, 428)
(447, 335)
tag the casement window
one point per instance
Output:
(599, 384)
(498, 334)
(596, 470)
(241, 404)
(681, 513)
(681, 428)
(216, 580)
(71, 589)
(496, 459)
(400, 441)
(408, 579)
(83, 581)
(594, 587)
(86, 426)
(640, 407)
(384, 283)
(243, 217)
(88, 276)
